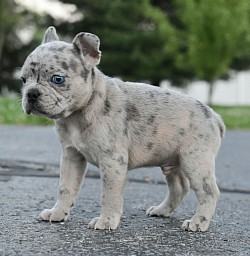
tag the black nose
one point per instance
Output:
(33, 95)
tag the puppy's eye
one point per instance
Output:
(23, 79)
(57, 79)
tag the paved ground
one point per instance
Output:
(29, 159)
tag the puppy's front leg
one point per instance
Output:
(72, 170)
(113, 177)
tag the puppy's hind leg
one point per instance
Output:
(199, 168)
(178, 186)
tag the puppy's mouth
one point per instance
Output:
(38, 111)
(29, 110)
(40, 102)
(32, 109)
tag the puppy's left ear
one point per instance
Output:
(50, 35)
(88, 45)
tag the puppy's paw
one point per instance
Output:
(195, 226)
(54, 214)
(158, 210)
(104, 223)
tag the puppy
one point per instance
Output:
(119, 126)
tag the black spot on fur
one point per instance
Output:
(65, 65)
(125, 131)
(150, 120)
(212, 127)
(107, 107)
(125, 125)
(137, 132)
(207, 188)
(51, 49)
(181, 131)
(151, 94)
(108, 152)
(85, 74)
(92, 75)
(124, 90)
(112, 134)
(38, 78)
(62, 48)
(149, 145)
(99, 94)
(73, 65)
(191, 114)
(66, 87)
(205, 109)
(132, 112)
(63, 191)
(143, 128)
(121, 160)
(168, 93)
(33, 70)
(154, 132)
(203, 219)
(33, 63)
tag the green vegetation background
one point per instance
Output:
(11, 113)
(144, 40)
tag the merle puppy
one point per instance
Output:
(119, 126)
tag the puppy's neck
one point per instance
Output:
(95, 102)
(97, 99)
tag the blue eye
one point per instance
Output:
(57, 79)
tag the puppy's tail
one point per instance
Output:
(221, 125)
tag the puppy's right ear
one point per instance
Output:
(88, 46)
(50, 35)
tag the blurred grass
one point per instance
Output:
(235, 117)
(11, 113)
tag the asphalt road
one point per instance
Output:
(23, 198)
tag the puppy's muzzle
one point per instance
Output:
(33, 96)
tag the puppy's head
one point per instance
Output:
(58, 77)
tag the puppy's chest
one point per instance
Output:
(82, 142)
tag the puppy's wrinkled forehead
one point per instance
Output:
(54, 57)
(57, 58)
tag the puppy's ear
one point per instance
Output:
(88, 45)
(50, 35)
